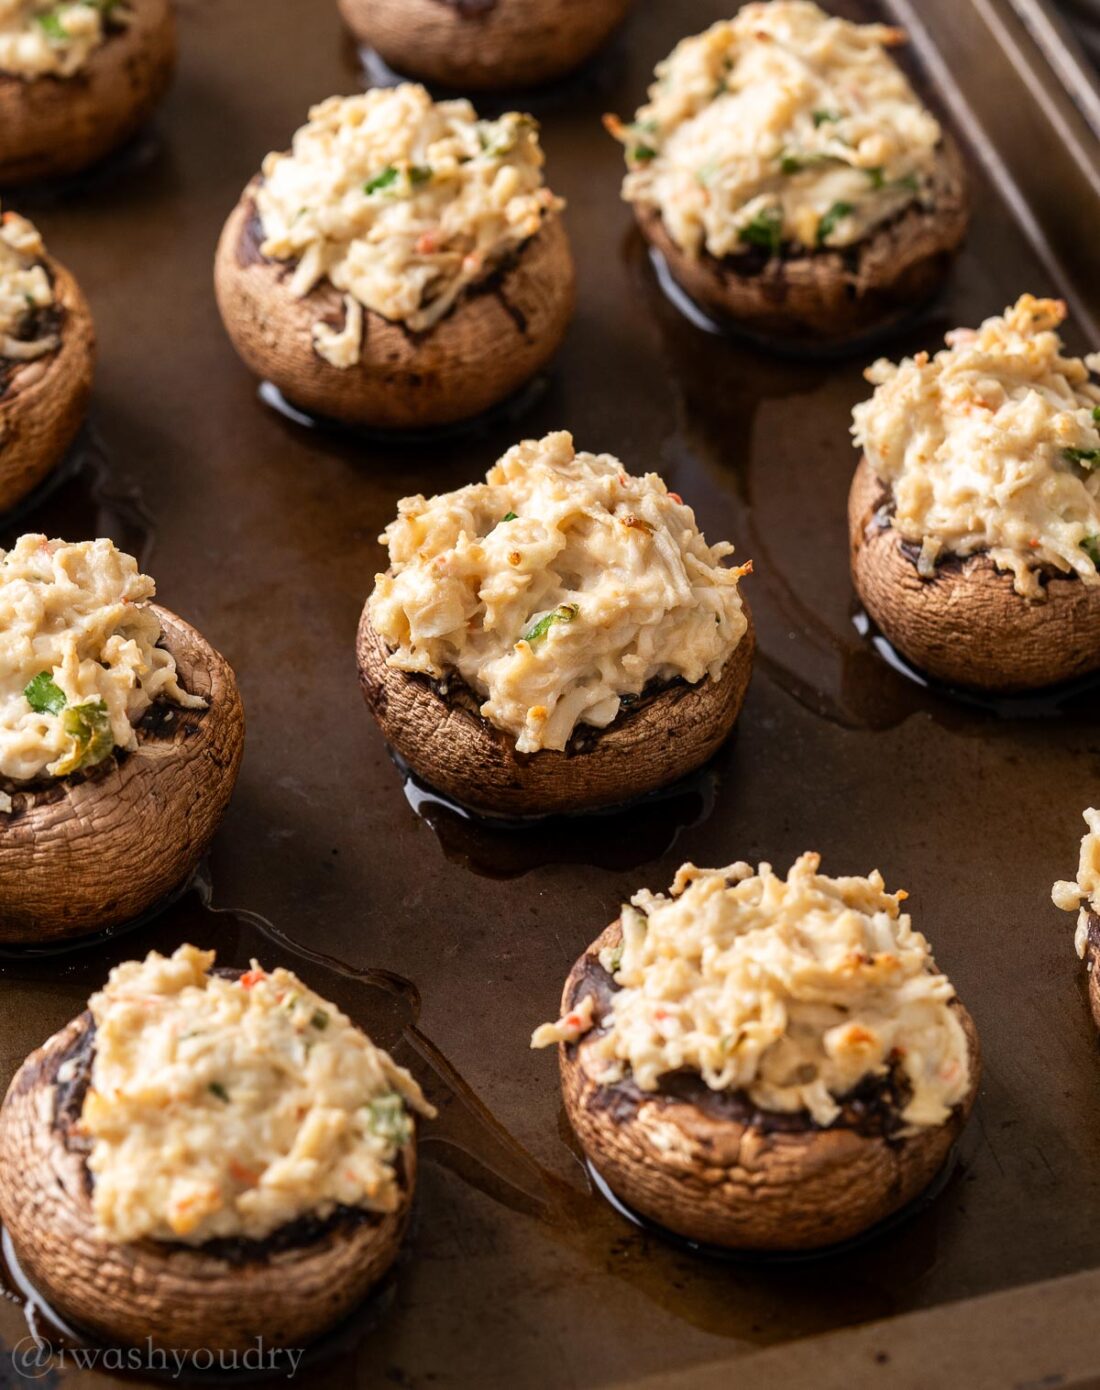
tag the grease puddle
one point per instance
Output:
(619, 838)
(83, 499)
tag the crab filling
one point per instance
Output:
(783, 127)
(40, 38)
(992, 445)
(402, 203)
(231, 1107)
(792, 991)
(26, 294)
(1082, 895)
(557, 590)
(79, 660)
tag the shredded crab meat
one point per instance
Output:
(230, 1107)
(1082, 895)
(41, 38)
(557, 589)
(993, 445)
(792, 991)
(783, 126)
(402, 203)
(25, 291)
(79, 660)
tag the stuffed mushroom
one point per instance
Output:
(121, 734)
(790, 177)
(47, 356)
(404, 265)
(77, 79)
(479, 44)
(764, 1063)
(203, 1158)
(558, 638)
(1082, 896)
(974, 514)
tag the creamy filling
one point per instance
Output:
(992, 445)
(793, 991)
(40, 38)
(402, 203)
(79, 661)
(231, 1107)
(25, 291)
(1082, 895)
(782, 127)
(558, 589)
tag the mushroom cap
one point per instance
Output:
(222, 1296)
(449, 745)
(45, 401)
(967, 625)
(476, 45)
(57, 125)
(497, 336)
(1092, 960)
(94, 850)
(755, 1182)
(833, 297)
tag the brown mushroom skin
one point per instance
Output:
(43, 403)
(829, 299)
(497, 336)
(746, 1186)
(181, 1297)
(967, 626)
(1092, 962)
(52, 126)
(478, 45)
(454, 749)
(89, 852)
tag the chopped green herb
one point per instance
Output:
(319, 1019)
(910, 182)
(386, 179)
(1089, 457)
(615, 959)
(419, 173)
(88, 726)
(790, 164)
(50, 22)
(877, 176)
(389, 1119)
(43, 695)
(508, 516)
(824, 117)
(642, 154)
(1096, 413)
(564, 613)
(765, 230)
(216, 1088)
(837, 213)
(1091, 546)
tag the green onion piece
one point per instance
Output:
(419, 173)
(88, 726)
(765, 230)
(642, 154)
(564, 613)
(1096, 413)
(51, 25)
(823, 117)
(790, 164)
(319, 1019)
(1089, 457)
(837, 213)
(877, 176)
(509, 516)
(1091, 546)
(216, 1088)
(43, 695)
(386, 179)
(389, 1119)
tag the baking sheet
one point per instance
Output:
(263, 533)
